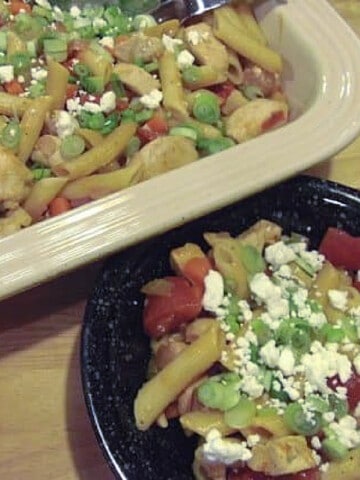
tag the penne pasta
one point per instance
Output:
(41, 195)
(91, 137)
(105, 152)
(249, 22)
(56, 83)
(99, 185)
(13, 105)
(156, 394)
(246, 46)
(31, 125)
(99, 65)
(235, 71)
(174, 97)
(136, 78)
(203, 76)
(14, 44)
(202, 422)
(170, 27)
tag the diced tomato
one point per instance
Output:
(153, 128)
(352, 386)
(341, 248)
(146, 135)
(223, 90)
(59, 205)
(71, 90)
(14, 87)
(196, 269)
(247, 474)
(18, 6)
(165, 313)
(275, 119)
(87, 97)
(122, 104)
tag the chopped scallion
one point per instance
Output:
(72, 146)
(10, 135)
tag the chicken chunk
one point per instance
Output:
(164, 154)
(15, 178)
(13, 221)
(254, 118)
(282, 455)
(136, 78)
(138, 47)
(206, 48)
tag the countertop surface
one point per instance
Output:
(45, 433)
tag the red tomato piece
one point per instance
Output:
(122, 104)
(341, 248)
(223, 90)
(164, 314)
(275, 119)
(247, 474)
(196, 269)
(71, 90)
(353, 388)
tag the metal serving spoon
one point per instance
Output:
(184, 9)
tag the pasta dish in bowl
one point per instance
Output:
(236, 357)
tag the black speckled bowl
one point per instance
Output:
(115, 351)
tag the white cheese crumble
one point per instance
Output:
(65, 124)
(315, 443)
(338, 299)
(194, 37)
(346, 431)
(269, 293)
(214, 291)
(58, 14)
(223, 450)
(279, 254)
(91, 107)
(38, 74)
(286, 361)
(6, 73)
(185, 59)
(75, 11)
(44, 4)
(356, 363)
(152, 100)
(99, 23)
(270, 354)
(171, 43)
(108, 102)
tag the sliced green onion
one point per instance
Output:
(143, 21)
(143, 116)
(232, 322)
(10, 135)
(252, 92)
(254, 353)
(213, 394)
(97, 121)
(262, 331)
(21, 62)
(338, 405)
(210, 146)
(349, 327)
(56, 48)
(39, 173)
(300, 421)
(133, 146)
(267, 412)
(37, 90)
(206, 108)
(86, 32)
(305, 266)
(152, 66)
(334, 449)
(84, 118)
(186, 132)
(31, 47)
(117, 86)
(191, 74)
(42, 12)
(241, 415)
(300, 341)
(117, 20)
(81, 70)
(128, 115)
(93, 85)
(332, 333)
(72, 146)
(252, 259)
(111, 122)
(277, 392)
(266, 379)
(317, 403)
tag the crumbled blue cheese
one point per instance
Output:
(338, 299)
(223, 450)
(65, 124)
(6, 73)
(171, 43)
(152, 100)
(185, 59)
(214, 291)
(108, 102)
(279, 254)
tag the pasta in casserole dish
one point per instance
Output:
(255, 349)
(92, 101)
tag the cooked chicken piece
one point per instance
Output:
(138, 47)
(13, 221)
(282, 455)
(254, 118)
(164, 154)
(47, 151)
(206, 48)
(260, 234)
(136, 78)
(15, 178)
